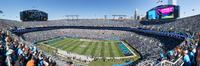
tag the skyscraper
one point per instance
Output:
(105, 16)
(136, 14)
(172, 2)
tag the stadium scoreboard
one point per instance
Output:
(33, 15)
(163, 12)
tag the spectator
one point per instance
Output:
(191, 55)
(170, 54)
(198, 54)
(2, 50)
(177, 53)
(186, 58)
(31, 62)
(20, 61)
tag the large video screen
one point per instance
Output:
(163, 12)
(152, 14)
(166, 13)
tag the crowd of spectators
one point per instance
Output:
(188, 24)
(81, 22)
(152, 45)
(187, 50)
(77, 33)
(4, 24)
(16, 53)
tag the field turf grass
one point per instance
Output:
(95, 48)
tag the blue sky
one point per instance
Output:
(90, 8)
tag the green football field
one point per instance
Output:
(97, 48)
(86, 47)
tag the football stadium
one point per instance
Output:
(160, 38)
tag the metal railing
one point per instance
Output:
(178, 62)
